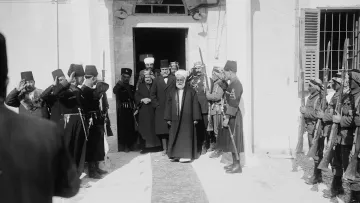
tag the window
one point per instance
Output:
(318, 27)
(162, 7)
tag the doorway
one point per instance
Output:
(162, 43)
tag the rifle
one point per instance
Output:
(210, 123)
(105, 105)
(300, 144)
(315, 142)
(350, 173)
(83, 151)
(329, 153)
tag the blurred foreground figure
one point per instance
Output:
(34, 162)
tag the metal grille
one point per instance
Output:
(336, 26)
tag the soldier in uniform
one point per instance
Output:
(232, 123)
(174, 66)
(95, 151)
(160, 90)
(327, 117)
(54, 96)
(215, 97)
(349, 120)
(311, 114)
(125, 105)
(66, 100)
(149, 66)
(35, 164)
(197, 81)
(26, 97)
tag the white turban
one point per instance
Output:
(181, 73)
(149, 60)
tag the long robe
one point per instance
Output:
(28, 103)
(182, 136)
(127, 136)
(95, 145)
(159, 93)
(146, 117)
(231, 109)
(65, 100)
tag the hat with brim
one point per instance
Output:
(198, 64)
(90, 70)
(315, 83)
(57, 73)
(354, 74)
(337, 80)
(27, 76)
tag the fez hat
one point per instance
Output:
(78, 69)
(231, 66)
(90, 70)
(164, 63)
(127, 71)
(57, 73)
(149, 58)
(27, 76)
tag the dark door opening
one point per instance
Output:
(162, 43)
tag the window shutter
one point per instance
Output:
(309, 44)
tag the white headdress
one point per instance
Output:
(181, 73)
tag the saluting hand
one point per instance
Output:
(55, 81)
(21, 85)
(71, 77)
(321, 114)
(336, 117)
(169, 122)
(303, 109)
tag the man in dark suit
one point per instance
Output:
(34, 162)
(161, 88)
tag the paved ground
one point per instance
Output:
(151, 178)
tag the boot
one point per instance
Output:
(236, 167)
(335, 188)
(228, 167)
(92, 171)
(212, 147)
(316, 177)
(99, 170)
(203, 150)
(216, 153)
(354, 197)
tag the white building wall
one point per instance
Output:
(276, 101)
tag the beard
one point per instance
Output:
(180, 86)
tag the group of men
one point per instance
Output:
(74, 105)
(178, 112)
(343, 111)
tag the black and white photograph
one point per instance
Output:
(179, 101)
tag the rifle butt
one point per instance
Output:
(300, 143)
(350, 172)
(324, 163)
(312, 151)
